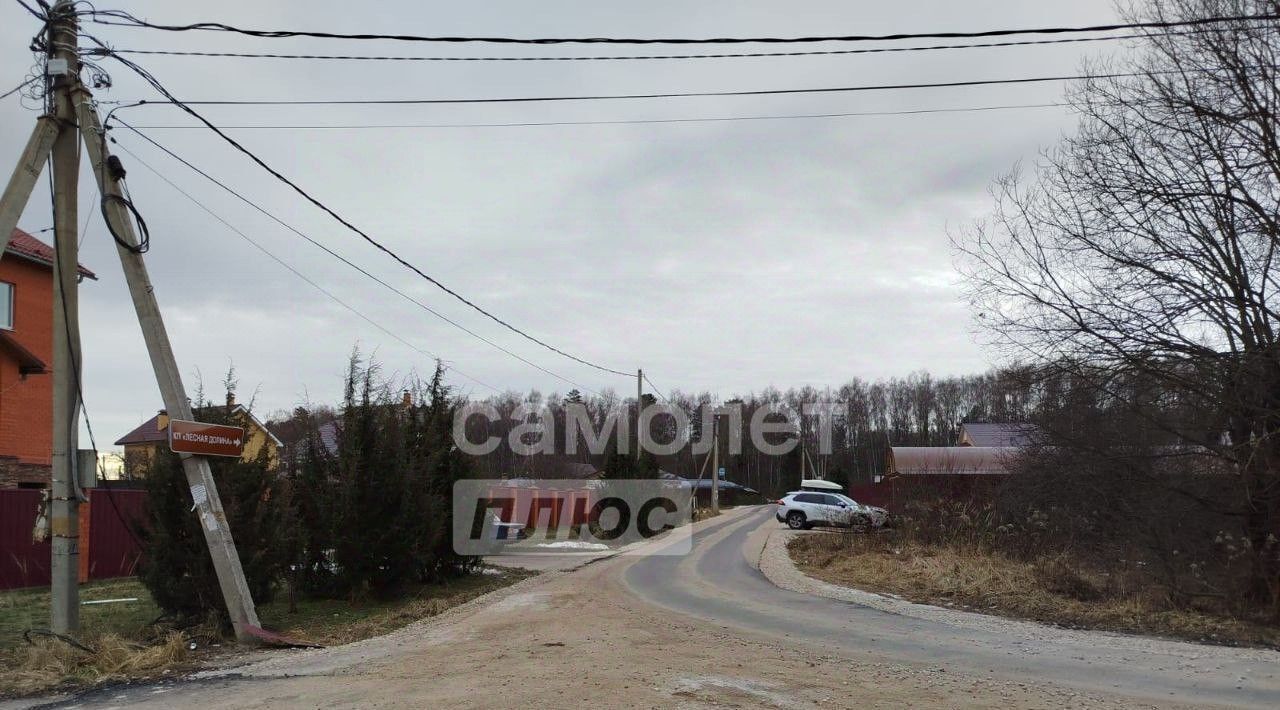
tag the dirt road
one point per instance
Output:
(705, 630)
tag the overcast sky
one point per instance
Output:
(720, 256)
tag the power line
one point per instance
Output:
(665, 95)
(609, 58)
(335, 254)
(19, 87)
(656, 390)
(299, 274)
(121, 18)
(711, 119)
(155, 83)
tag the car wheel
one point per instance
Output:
(796, 521)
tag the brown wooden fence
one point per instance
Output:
(107, 544)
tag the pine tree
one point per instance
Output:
(371, 551)
(309, 531)
(176, 567)
(434, 465)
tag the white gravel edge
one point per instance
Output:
(441, 628)
(776, 565)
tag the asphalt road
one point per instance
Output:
(718, 583)
(708, 630)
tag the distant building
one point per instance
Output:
(150, 437)
(949, 460)
(972, 469)
(998, 435)
(26, 361)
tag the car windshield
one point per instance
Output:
(847, 499)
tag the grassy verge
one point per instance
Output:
(127, 643)
(1059, 590)
(331, 621)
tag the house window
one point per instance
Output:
(6, 305)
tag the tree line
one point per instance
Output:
(365, 512)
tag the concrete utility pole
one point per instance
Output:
(56, 135)
(639, 408)
(65, 504)
(204, 492)
(25, 174)
(715, 461)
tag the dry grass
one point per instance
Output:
(22, 609)
(331, 622)
(126, 646)
(50, 663)
(1056, 590)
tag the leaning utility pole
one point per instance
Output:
(204, 491)
(56, 135)
(64, 516)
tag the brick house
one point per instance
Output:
(26, 361)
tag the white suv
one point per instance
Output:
(801, 510)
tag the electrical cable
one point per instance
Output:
(331, 252)
(84, 231)
(117, 172)
(155, 83)
(664, 95)
(72, 343)
(79, 384)
(121, 18)
(38, 15)
(526, 124)
(69, 640)
(645, 377)
(607, 58)
(19, 87)
(144, 234)
(302, 276)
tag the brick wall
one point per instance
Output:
(26, 404)
(14, 471)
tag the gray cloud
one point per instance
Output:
(721, 256)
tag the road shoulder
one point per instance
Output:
(775, 563)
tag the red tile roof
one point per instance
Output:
(149, 433)
(27, 246)
(146, 433)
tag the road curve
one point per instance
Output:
(718, 583)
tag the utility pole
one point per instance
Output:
(639, 408)
(204, 491)
(56, 138)
(65, 503)
(24, 177)
(716, 461)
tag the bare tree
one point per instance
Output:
(1146, 243)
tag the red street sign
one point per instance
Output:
(205, 439)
